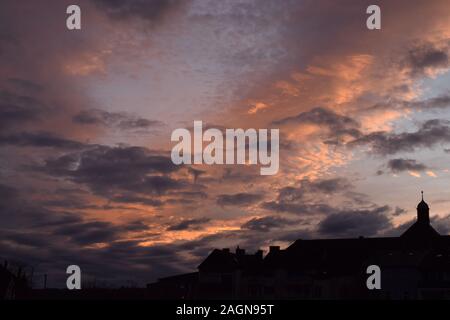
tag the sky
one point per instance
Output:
(86, 117)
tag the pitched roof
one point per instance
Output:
(420, 230)
(225, 261)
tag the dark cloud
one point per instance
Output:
(297, 207)
(399, 165)
(26, 85)
(350, 223)
(266, 223)
(338, 125)
(190, 198)
(69, 203)
(188, 224)
(399, 211)
(112, 169)
(238, 199)
(131, 198)
(152, 10)
(326, 185)
(428, 135)
(427, 57)
(442, 224)
(119, 120)
(319, 116)
(7, 192)
(18, 211)
(304, 198)
(240, 175)
(40, 139)
(439, 102)
(17, 109)
(31, 239)
(435, 103)
(89, 232)
(191, 194)
(92, 232)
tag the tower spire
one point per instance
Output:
(423, 212)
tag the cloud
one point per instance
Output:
(327, 186)
(400, 165)
(7, 192)
(266, 223)
(148, 10)
(121, 120)
(296, 207)
(87, 233)
(40, 139)
(399, 211)
(442, 224)
(306, 198)
(92, 232)
(117, 169)
(257, 106)
(17, 109)
(350, 223)
(428, 135)
(188, 224)
(427, 58)
(26, 85)
(439, 102)
(338, 125)
(131, 198)
(238, 199)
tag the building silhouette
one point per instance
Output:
(415, 265)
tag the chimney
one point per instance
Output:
(273, 249)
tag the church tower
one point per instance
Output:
(421, 229)
(423, 212)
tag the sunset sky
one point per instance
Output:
(86, 117)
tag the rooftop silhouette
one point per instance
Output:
(415, 265)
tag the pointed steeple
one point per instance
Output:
(423, 212)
